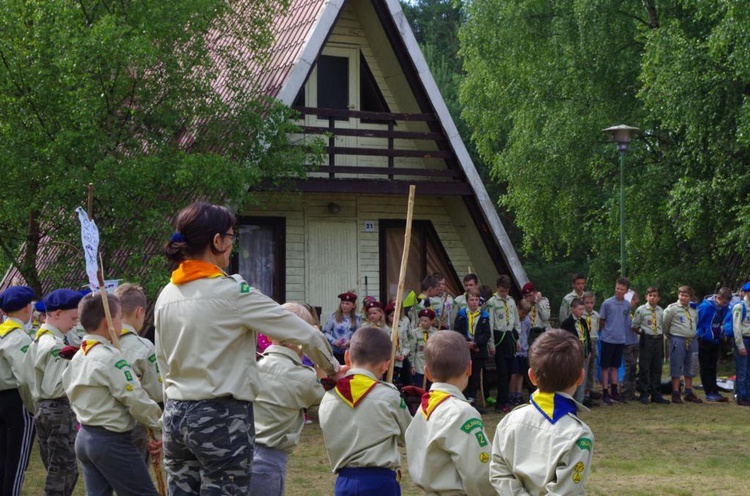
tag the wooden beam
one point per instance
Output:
(395, 171)
(383, 187)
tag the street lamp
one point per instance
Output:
(622, 135)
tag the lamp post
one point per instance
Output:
(622, 135)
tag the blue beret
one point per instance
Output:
(15, 298)
(39, 306)
(62, 299)
(746, 286)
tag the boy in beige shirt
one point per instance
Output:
(109, 402)
(364, 420)
(446, 445)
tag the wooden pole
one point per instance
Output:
(401, 280)
(156, 462)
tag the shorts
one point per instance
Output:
(611, 355)
(520, 365)
(683, 354)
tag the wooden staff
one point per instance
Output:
(401, 279)
(156, 462)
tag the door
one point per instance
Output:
(331, 262)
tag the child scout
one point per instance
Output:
(109, 402)
(543, 447)
(446, 446)
(364, 420)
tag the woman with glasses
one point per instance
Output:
(206, 325)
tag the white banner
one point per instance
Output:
(90, 240)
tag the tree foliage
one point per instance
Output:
(150, 100)
(544, 78)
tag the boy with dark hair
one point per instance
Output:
(506, 327)
(648, 322)
(711, 314)
(16, 419)
(544, 448)
(446, 445)
(578, 282)
(109, 402)
(54, 420)
(471, 281)
(614, 322)
(579, 328)
(680, 325)
(473, 324)
(364, 420)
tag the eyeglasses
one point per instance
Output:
(231, 235)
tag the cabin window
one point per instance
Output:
(426, 256)
(260, 254)
(371, 99)
(333, 82)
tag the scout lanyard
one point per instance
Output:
(533, 315)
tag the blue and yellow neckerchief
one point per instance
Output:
(553, 406)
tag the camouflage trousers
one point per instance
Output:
(208, 446)
(55, 425)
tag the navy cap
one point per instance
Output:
(62, 299)
(39, 306)
(746, 286)
(15, 298)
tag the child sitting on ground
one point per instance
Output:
(289, 387)
(446, 445)
(544, 448)
(364, 420)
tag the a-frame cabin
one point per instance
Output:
(354, 71)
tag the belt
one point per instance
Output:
(62, 399)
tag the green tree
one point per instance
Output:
(543, 79)
(151, 101)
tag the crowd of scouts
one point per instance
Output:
(225, 421)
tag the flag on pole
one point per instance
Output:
(90, 240)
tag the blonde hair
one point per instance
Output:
(131, 297)
(300, 311)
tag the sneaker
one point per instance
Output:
(308, 420)
(722, 399)
(659, 399)
(713, 397)
(595, 395)
(617, 397)
(692, 398)
(743, 402)
(644, 399)
(606, 399)
(676, 398)
(589, 403)
(489, 401)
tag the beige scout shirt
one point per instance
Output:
(565, 305)
(104, 391)
(45, 363)
(368, 434)
(680, 321)
(531, 455)
(418, 342)
(592, 319)
(14, 372)
(540, 313)
(447, 448)
(141, 355)
(405, 339)
(648, 320)
(206, 334)
(741, 326)
(288, 386)
(444, 313)
(459, 302)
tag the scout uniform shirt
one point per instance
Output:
(741, 325)
(363, 422)
(680, 321)
(592, 319)
(46, 364)
(648, 320)
(542, 448)
(540, 314)
(104, 391)
(565, 305)
(206, 334)
(288, 387)
(459, 302)
(446, 446)
(14, 373)
(405, 339)
(503, 317)
(444, 312)
(141, 355)
(419, 341)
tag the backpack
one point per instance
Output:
(728, 326)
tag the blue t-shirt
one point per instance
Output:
(616, 316)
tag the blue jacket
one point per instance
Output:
(482, 333)
(710, 320)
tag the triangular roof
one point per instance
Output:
(300, 35)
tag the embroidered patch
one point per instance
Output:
(481, 438)
(244, 288)
(129, 387)
(403, 404)
(25, 349)
(472, 424)
(122, 364)
(577, 477)
(128, 375)
(579, 467)
(584, 443)
(55, 353)
(484, 457)
(578, 472)
(152, 358)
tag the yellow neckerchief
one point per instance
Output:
(41, 332)
(653, 316)
(507, 310)
(588, 321)
(582, 336)
(426, 334)
(472, 316)
(430, 402)
(190, 270)
(690, 318)
(87, 344)
(553, 406)
(8, 326)
(353, 388)
(533, 315)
